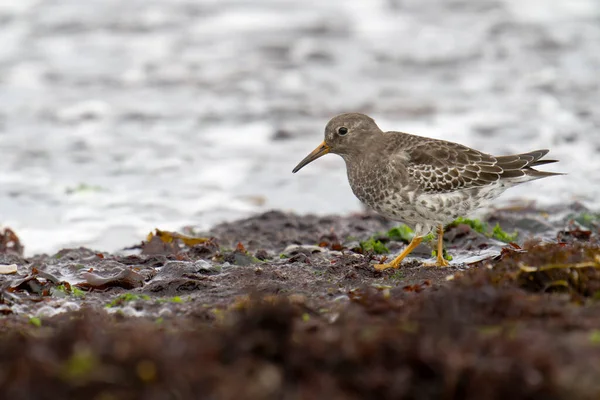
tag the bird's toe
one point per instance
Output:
(381, 267)
(437, 263)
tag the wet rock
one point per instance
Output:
(204, 251)
(154, 261)
(523, 223)
(8, 259)
(178, 269)
(299, 257)
(574, 235)
(47, 311)
(238, 258)
(307, 250)
(80, 254)
(463, 237)
(262, 255)
(205, 267)
(177, 287)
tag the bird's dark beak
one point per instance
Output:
(316, 153)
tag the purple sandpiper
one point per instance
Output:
(425, 183)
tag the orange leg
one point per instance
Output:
(440, 260)
(395, 263)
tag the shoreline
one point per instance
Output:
(281, 302)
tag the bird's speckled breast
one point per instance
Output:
(381, 187)
(390, 193)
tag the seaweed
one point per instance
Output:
(587, 219)
(126, 298)
(445, 254)
(475, 224)
(374, 245)
(402, 233)
(523, 325)
(478, 226)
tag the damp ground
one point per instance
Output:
(282, 306)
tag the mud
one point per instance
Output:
(281, 306)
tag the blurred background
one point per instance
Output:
(117, 117)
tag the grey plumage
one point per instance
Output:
(440, 166)
(421, 181)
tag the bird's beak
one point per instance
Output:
(316, 153)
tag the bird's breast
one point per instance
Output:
(376, 185)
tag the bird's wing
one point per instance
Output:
(439, 167)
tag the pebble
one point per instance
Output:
(6, 269)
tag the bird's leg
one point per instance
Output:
(440, 260)
(395, 263)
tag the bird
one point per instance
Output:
(423, 182)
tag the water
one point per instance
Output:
(119, 117)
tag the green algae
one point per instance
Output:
(401, 233)
(70, 290)
(174, 299)
(502, 235)
(374, 245)
(126, 298)
(404, 233)
(447, 256)
(477, 225)
(587, 219)
(397, 275)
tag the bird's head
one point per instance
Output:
(347, 135)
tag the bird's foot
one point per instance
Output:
(395, 263)
(440, 262)
(381, 267)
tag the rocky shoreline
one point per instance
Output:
(286, 306)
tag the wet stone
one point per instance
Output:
(307, 250)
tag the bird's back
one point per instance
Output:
(438, 166)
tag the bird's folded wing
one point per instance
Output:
(439, 167)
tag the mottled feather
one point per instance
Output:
(437, 166)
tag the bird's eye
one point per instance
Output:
(342, 130)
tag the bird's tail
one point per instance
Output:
(521, 165)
